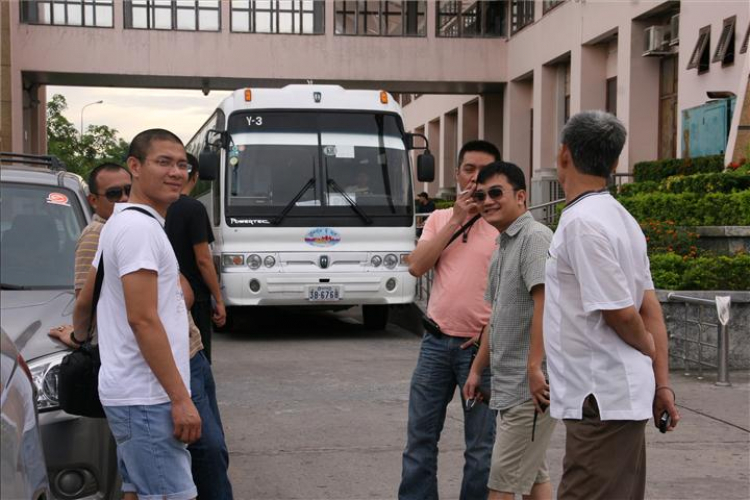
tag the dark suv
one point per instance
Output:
(43, 209)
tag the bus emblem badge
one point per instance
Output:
(323, 261)
(322, 237)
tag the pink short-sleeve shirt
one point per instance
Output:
(457, 298)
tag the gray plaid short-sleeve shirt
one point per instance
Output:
(516, 267)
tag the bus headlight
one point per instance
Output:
(269, 261)
(254, 261)
(232, 260)
(376, 260)
(390, 261)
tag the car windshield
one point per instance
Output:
(39, 228)
(357, 156)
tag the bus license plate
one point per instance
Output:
(323, 293)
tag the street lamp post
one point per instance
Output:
(84, 107)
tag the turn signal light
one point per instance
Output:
(383, 97)
(248, 95)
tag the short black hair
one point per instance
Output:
(595, 140)
(423, 195)
(141, 143)
(511, 171)
(109, 166)
(481, 147)
(193, 161)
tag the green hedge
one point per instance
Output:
(691, 209)
(673, 272)
(661, 169)
(699, 183)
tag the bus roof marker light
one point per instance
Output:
(383, 97)
(248, 95)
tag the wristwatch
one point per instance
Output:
(74, 340)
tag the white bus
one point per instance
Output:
(311, 199)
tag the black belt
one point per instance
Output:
(432, 327)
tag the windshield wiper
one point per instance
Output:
(353, 203)
(291, 204)
(8, 286)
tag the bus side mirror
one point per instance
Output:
(425, 167)
(208, 165)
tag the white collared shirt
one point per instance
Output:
(597, 261)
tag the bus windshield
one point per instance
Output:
(317, 164)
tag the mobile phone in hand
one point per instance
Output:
(664, 422)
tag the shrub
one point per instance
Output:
(661, 169)
(673, 272)
(691, 209)
(634, 188)
(706, 183)
(665, 236)
(444, 204)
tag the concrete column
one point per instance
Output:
(470, 123)
(450, 151)
(6, 115)
(544, 149)
(637, 96)
(433, 135)
(517, 119)
(588, 78)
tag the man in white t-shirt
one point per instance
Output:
(604, 332)
(142, 326)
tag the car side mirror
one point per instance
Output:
(208, 165)
(425, 167)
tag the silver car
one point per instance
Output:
(42, 212)
(23, 474)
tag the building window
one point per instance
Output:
(302, 17)
(743, 49)
(470, 19)
(725, 47)
(381, 18)
(549, 4)
(94, 13)
(521, 14)
(188, 15)
(702, 52)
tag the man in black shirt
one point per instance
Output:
(189, 230)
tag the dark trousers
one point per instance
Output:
(604, 460)
(202, 312)
(210, 458)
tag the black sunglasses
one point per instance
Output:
(114, 194)
(494, 192)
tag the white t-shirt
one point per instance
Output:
(597, 261)
(132, 241)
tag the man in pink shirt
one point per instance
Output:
(456, 315)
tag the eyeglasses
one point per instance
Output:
(114, 194)
(494, 192)
(168, 163)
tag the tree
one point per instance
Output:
(81, 152)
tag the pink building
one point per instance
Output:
(510, 71)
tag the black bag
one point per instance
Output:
(78, 378)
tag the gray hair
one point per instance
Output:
(595, 140)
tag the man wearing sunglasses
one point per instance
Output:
(109, 183)
(456, 314)
(515, 289)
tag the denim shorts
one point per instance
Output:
(151, 461)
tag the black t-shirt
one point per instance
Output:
(187, 224)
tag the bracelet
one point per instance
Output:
(74, 340)
(674, 396)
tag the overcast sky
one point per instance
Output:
(133, 110)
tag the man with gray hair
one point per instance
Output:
(604, 331)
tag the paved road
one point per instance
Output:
(315, 407)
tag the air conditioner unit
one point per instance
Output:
(656, 41)
(674, 30)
